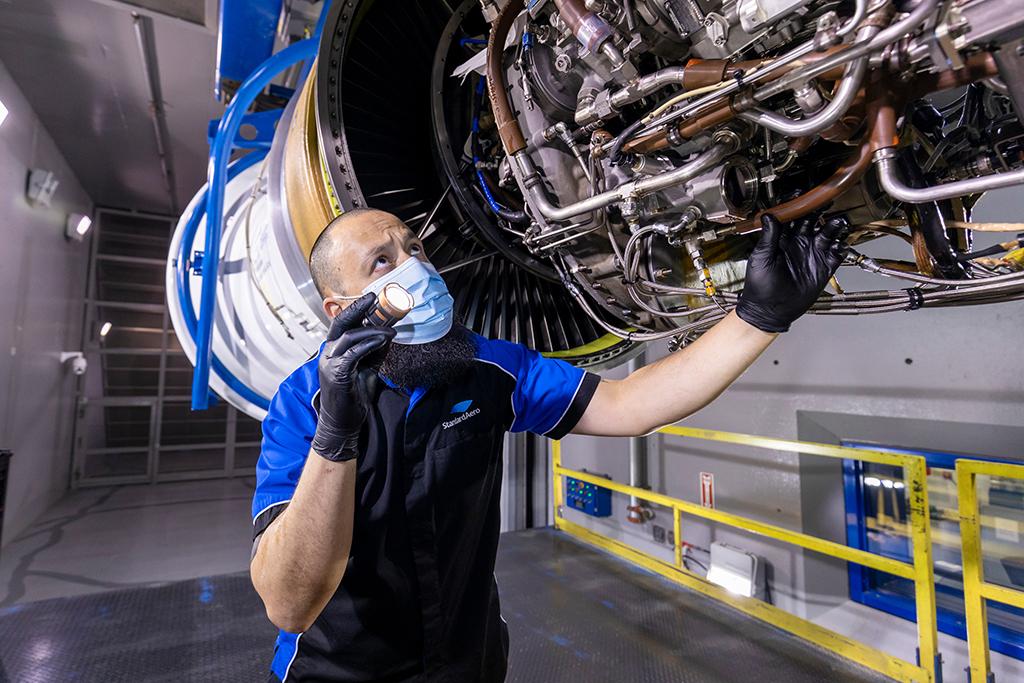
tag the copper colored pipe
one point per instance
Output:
(976, 67)
(883, 106)
(845, 177)
(573, 13)
(704, 72)
(504, 117)
(800, 145)
(688, 129)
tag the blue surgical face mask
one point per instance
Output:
(431, 316)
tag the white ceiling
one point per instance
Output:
(78, 63)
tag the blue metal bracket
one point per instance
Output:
(185, 288)
(197, 263)
(239, 21)
(259, 135)
(220, 156)
(245, 38)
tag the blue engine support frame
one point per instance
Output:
(185, 285)
(224, 142)
(219, 157)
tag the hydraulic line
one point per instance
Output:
(921, 13)
(512, 216)
(831, 113)
(532, 183)
(889, 179)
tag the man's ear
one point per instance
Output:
(332, 307)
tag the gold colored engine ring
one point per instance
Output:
(311, 202)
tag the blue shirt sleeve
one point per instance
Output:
(287, 434)
(550, 395)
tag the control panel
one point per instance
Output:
(589, 499)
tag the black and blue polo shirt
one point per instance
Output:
(418, 600)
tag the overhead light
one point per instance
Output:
(898, 485)
(887, 483)
(105, 330)
(77, 226)
(3, 113)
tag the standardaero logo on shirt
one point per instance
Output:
(461, 407)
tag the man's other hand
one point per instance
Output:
(789, 268)
(342, 407)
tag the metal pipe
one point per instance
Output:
(845, 177)
(818, 122)
(921, 13)
(859, 12)
(889, 178)
(533, 184)
(831, 113)
(637, 89)
(637, 455)
(147, 52)
(589, 28)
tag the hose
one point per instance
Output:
(510, 215)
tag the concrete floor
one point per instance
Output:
(117, 537)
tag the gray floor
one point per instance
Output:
(106, 538)
(154, 589)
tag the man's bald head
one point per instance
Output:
(358, 247)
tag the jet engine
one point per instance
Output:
(589, 175)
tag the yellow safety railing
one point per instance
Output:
(976, 590)
(919, 570)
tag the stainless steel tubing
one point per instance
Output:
(917, 16)
(731, 88)
(828, 116)
(859, 12)
(536, 196)
(888, 176)
(641, 87)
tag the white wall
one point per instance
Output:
(962, 382)
(42, 281)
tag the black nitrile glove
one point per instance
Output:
(342, 404)
(789, 268)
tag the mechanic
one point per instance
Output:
(376, 510)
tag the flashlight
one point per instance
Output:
(393, 304)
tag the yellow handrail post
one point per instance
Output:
(919, 570)
(970, 552)
(677, 537)
(915, 474)
(556, 480)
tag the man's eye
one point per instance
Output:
(415, 250)
(381, 262)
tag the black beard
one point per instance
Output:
(433, 364)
